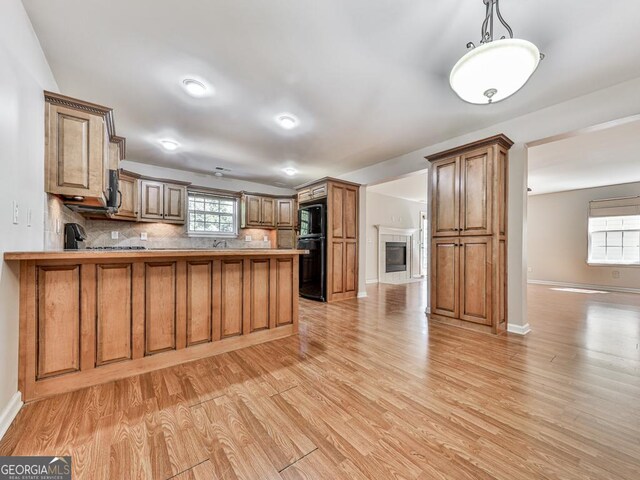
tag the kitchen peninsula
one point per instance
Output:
(89, 317)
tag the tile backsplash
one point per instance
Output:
(159, 235)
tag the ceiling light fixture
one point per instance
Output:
(287, 121)
(169, 145)
(195, 88)
(496, 69)
(290, 171)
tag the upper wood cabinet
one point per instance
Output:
(268, 212)
(259, 211)
(128, 198)
(285, 212)
(445, 205)
(161, 201)
(312, 192)
(77, 148)
(469, 235)
(175, 197)
(462, 192)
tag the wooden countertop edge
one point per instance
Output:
(107, 254)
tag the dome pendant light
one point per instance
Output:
(494, 70)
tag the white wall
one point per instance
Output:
(612, 103)
(24, 74)
(389, 212)
(203, 180)
(557, 238)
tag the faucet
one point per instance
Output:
(219, 243)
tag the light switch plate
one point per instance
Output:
(114, 235)
(15, 210)
(29, 215)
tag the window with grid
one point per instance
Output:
(211, 214)
(614, 240)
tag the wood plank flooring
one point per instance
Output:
(370, 390)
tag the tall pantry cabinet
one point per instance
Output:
(469, 235)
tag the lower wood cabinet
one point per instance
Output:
(97, 321)
(461, 275)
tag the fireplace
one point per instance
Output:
(395, 257)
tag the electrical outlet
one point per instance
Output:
(114, 235)
(265, 238)
(529, 269)
(143, 236)
(615, 274)
(247, 238)
(16, 212)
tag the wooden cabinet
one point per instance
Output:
(286, 238)
(161, 201)
(445, 276)
(469, 235)
(285, 213)
(268, 212)
(174, 202)
(342, 240)
(261, 211)
(128, 202)
(77, 148)
(313, 192)
(96, 318)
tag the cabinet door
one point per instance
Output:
(75, 153)
(286, 238)
(444, 277)
(445, 184)
(284, 213)
(337, 211)
(152, 200)
(475, 280)
(128, 198)
(268, 218)
(252, 211)
(304, 195)
(174, 202)
(351, 213)
(475, 192)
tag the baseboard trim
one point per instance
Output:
(519, 329)
(373, 280)
(606, 288)
(362, 294)
(9, 412)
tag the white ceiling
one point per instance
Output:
(411, 187)
(367, 78)
(604, 157)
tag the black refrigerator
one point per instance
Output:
(312, 224)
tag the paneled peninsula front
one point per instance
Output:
(90, 317)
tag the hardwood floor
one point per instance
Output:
(370, 390)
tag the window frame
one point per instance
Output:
(217, 195)
(600, 263)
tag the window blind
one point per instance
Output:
(615, 207)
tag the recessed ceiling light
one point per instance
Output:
(169, 145)
(218, 174)
(290, 171)
(287, 121)
(195, 88)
